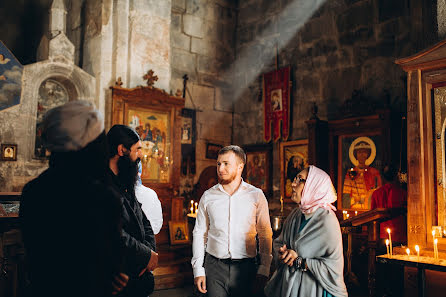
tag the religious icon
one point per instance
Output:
(293, 159)
(186, 131)
(276, 100)
(178, 232)
(257, 171)
(153, 128)
(9, 152)
(360, 177)
(212, 150)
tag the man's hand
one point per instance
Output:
(200, 282)
(287, 256)
(153, 261)
(259, 285)
(119, 282)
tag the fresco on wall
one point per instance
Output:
(10, 78)
(51, 94)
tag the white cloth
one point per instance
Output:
(318, 191)
(151, 206)
(226, 227)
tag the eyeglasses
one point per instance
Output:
(299, 180)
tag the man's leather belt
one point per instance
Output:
(234, 261)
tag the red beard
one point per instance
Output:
(227, 180)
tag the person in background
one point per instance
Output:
(390, 195)
(309, 248)
(137, 237)
(230, 216)
(70, 215)
(151, 206)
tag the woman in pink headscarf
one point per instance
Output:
(309, 249)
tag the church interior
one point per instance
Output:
(350, 86)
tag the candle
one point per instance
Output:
(356, 212)
(348, 216)
(192, 203)
(390, 242)
(435, 248)
(387, 247)
(417, 248)
(408, 252)
(196, 206)
(191, 210)
(281, 205)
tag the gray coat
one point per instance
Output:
(320, 244)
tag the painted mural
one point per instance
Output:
(10, 78)
(51, 94)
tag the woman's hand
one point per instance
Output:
(287, 256)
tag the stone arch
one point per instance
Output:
(76, 82)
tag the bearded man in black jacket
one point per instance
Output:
(139, 248)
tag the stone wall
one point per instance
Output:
(203, 42)
(333, 47)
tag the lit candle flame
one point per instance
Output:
(390, 242)
(417, 248)
(408, 251)
(435, 248)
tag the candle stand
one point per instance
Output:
(371, 219)
(412, 261)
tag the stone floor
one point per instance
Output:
(177, 292)
(189, 292)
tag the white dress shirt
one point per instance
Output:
(226, 227)
(151, 206)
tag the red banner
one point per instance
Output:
(276, 103)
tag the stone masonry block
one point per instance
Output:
(183, 60)
(176, 22)
(316, 28)
(193, 26)
(359, 36)
(196, 7)
(207, 65)
(203, 47)
(216, 125)
(179, 5)
(202, 96)
(223, 100)
(358, 15)
(180, 40)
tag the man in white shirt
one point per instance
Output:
(230, 215)
(151, 205)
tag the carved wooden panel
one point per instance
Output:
(425, 72)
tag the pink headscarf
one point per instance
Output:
(318, 191)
